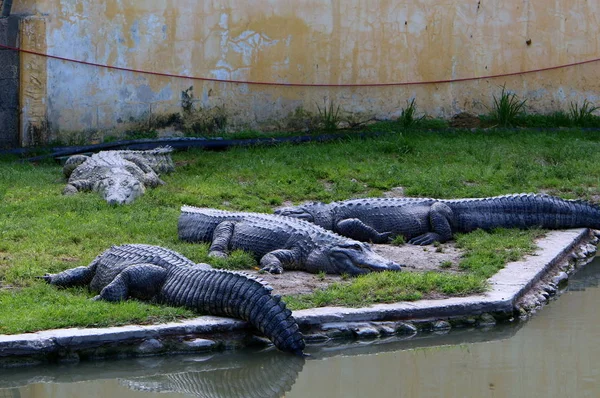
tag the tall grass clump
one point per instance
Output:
(408, 118)
(329, 116)
(507, 108)
(582, 115)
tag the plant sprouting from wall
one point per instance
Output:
(507, 108)
(201, 122)
(408, 118)
(187, 100)
(329, 116)
(582, 115)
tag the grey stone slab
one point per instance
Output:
(9, 94)
(9, 65)
(9, 31)
(9, 128)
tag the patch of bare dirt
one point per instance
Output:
(465, 120)
(396, 192)
(416, 259)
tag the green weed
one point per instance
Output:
(408, 118)
(582, 115)
(398, 240)
(329, 116)
(507, 108)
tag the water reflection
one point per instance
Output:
(264, 374)
(553, 354)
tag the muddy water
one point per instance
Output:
(554, 354)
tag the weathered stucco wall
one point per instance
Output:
(312, 41)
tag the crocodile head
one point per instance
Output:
(315, 212)
(351, 257)
(120, 188)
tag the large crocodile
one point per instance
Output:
(154, 273)
(279, 242)
(423, 221)
(119, 176)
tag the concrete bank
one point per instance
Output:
(516, 292)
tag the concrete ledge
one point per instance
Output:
(557, 252)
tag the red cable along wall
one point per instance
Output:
(208, 79)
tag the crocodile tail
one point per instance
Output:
(235, 295)
(523, 211)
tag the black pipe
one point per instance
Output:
(6, 6)
(186, 143)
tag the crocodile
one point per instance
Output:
(119, 176)
(423, 221)
(158, 274)
(279, 243)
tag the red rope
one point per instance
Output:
(208, 79)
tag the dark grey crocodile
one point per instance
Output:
(119, 176)
(279, 242)
(423, 221)
(154, 273)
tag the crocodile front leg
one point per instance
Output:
(356, 229)
(221, 237)
(276, 261)
(440, 220)
(141, 281)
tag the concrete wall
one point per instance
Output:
(309, 41)
(9, 83)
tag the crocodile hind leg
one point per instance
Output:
(221, 237)
(141, 281)
(440, 219)
(79, 276)
(77, 186)
(356, 229)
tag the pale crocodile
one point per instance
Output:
(119, 176)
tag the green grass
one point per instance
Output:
(42, 231)
(387, 287)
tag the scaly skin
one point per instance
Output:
(154, 273)
(119, 176)
(423, 221)
(279, 242)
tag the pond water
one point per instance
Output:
(554, 354)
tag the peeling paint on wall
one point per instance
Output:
(315, 41)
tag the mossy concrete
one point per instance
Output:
(517, 291)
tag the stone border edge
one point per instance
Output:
(517, 291)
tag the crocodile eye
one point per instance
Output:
(355, 246)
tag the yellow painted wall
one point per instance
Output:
(312, 41)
